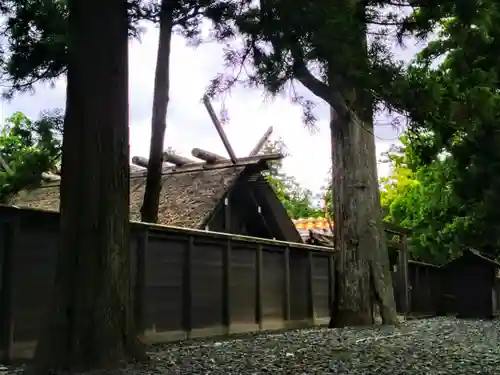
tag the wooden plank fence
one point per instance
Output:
(186, 283)
(416, 284)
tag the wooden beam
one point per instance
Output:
(140, 278)
(310, 288)
(227, 214)
(262, 141)
(10, 233)
(207, 156)
(395, 245)
(226, 285)
(423, 264)
(287, 299)
(331, 282)
(396, 229)
(187, 287)
(242, 162)
(220, 130)
(140, 161)
(403, 279)
(259, 303)
(211, 157)
(143, 162)
(50, 176)
(168, 157)
(175, 159)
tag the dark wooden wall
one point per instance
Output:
(496, 301)
(468, 284)
(187, 283)
(239, 216)
(190, 283)
(252, 208)
(423, 289)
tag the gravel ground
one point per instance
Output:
(431, 346)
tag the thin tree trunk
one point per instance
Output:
(149, 210)
(91, 324)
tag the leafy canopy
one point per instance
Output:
(421, 198)
(451, 94)
(28, 148)
(35, 34)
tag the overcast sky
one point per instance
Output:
(188, 124)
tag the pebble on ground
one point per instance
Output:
(438, 346)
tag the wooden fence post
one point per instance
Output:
(258, 287)
(10, 231)
(226, 285)
(310, 287)
(415, 295)
(403, 277)
(187, 293)
(140, 278)
(286, 265)
(428, 292)
(331, 282)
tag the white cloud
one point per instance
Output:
(188, 124)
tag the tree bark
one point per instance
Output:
(381, 276)
(353, 228)
(91, 325)
(362, 266)
(149, 210)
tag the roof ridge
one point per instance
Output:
(479, 254)
(219, 164)
(186, 198)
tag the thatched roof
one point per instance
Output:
(187, 199)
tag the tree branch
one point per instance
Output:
(318, 88)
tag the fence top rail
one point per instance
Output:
(424, 264)
(230, 236)
(396, 229)
(193, 232)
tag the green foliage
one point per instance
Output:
(421, 198)
(35, 34)
(295, 198)
(35, 48)
(445, 180)
(451, 93)
(401, 179)
(321, 44)
(28, 148)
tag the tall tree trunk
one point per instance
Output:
(354, 230)
(362, 267)
(149, 210)
(91, 323)
(381, 276)
(363, 264)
